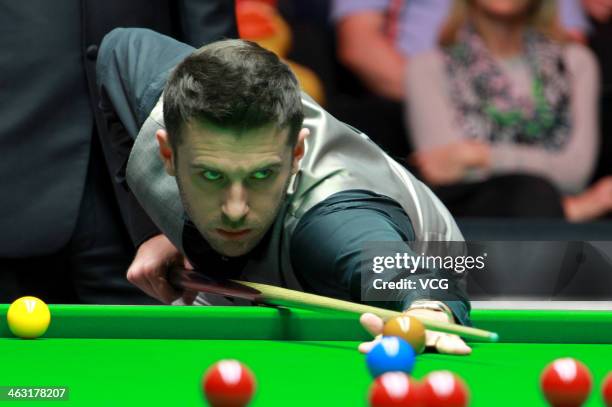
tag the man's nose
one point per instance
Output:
(236, 206)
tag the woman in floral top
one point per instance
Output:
(504, 115)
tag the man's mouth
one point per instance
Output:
(233, 234)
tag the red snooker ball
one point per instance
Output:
(606, 390)
(566, 383)
(395, 389)
(444, 389)
(228, 383)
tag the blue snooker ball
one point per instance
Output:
(391, 354)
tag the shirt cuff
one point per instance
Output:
(459, 309)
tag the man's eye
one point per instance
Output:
(261, 174)
(212, 175)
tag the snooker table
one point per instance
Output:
(156, 355)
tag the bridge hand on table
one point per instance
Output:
(441, 342)
(149, 269)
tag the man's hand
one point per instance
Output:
(449, 164)
(441, 342)
(149, 269)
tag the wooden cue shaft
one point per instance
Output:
(283, 296)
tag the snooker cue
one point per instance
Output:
(272, 295)
(283, 296)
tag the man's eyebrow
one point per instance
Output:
(273, 163)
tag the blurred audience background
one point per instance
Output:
(261, 22)
(519, 126)
(505, 112)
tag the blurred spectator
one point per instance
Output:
(260, 21)
(62, 234)
(506, 112)
(600, 41)
(376, 37)
(599, 10)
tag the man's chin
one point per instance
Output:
(232, 249)
(233, 252)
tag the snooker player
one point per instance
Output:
(248, 178)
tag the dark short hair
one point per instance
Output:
(233, 84)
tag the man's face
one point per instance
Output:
(232, 186)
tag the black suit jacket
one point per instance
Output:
(48, 102)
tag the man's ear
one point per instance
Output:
(165, 151)
(299, 150)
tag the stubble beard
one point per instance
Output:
(251, 244)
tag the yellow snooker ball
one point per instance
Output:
(28, 317)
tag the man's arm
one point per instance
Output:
(327, 245)
(132, 67)
(326, 252)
